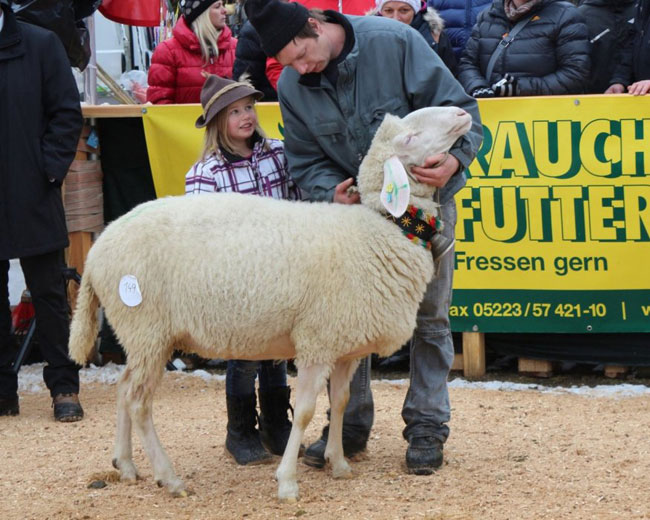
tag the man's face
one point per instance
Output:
(306, 55)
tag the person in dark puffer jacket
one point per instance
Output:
(201, 43)
(425, 20)
(251, 60)
(607, 22)
(549, 56)
(633, 70)
(459, 16)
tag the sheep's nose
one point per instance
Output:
(461, 112)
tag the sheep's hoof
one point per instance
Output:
(175, 486)
(342, 471)
(288, 492)
(128, 471)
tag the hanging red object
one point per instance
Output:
(358, 7)
(144, 13)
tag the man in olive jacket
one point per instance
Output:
(342, 75)
(40, 124)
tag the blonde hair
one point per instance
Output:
(216, 133)
(207, 35)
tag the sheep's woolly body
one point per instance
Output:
(244, 277)
(224, 274)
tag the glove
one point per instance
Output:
(506, 86)
(483, 92)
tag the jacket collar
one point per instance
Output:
(11, 35)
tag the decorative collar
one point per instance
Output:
(417, 225)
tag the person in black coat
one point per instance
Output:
(633, 69)
(424, 20)
(549, 56)
(251, 60)
(40, 124)
(609, 28)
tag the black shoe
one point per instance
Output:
(67, 408)
(9, 405)
(353, 444)
(424, 455)
(243, 440)
(275, 425)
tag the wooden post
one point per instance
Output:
(473, 354)
(615, 371)
(535, 367)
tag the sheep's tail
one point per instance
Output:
(85, 326)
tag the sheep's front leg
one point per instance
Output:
(339, 395)
(123, 453)
(310, 382)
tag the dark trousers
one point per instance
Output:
(44, 279)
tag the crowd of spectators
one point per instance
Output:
(494, 48)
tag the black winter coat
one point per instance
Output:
(40, 124)
(443, 47)
(549, 56)
(634, 60)
(609, 30)
(250, 58)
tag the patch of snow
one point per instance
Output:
(30, 380)
(617, 390)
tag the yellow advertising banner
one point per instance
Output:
(174, 144)
(553, 230)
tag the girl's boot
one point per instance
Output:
(243, 440)
(275, 425)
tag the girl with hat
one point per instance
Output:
(201, 43)
(238, 157)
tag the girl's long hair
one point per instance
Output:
(207, 35)
(216, 134)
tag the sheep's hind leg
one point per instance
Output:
(310, 381)
(123, 453)
(140, 405)
(339, 395)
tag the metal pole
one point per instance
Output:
(340, 6)
(91, 84)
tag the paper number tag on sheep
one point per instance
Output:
(130, 291)
(396, 189)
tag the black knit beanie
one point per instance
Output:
(192, 9)
(276, 22)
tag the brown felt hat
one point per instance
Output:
(217, 93)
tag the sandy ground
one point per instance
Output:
(511, 455)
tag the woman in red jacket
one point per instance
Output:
(201, 42)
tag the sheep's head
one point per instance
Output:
(409, 141)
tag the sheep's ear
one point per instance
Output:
(396, 190)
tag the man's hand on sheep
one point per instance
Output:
(437, 169)
(344, 195)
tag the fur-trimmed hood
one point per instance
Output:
(429, 14)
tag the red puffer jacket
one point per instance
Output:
(176, 66)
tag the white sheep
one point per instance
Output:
(244, 277)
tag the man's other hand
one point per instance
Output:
(342, 196)
(436, 170)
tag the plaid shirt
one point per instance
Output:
(264, 173)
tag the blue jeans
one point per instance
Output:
(426, 409)
(240, 376)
